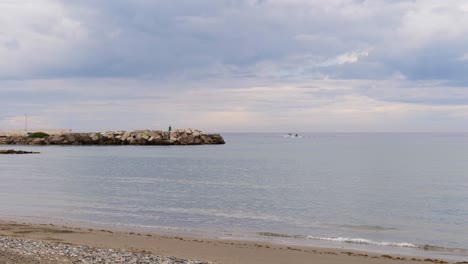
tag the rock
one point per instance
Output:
(196, 133)
(55, 140)
(139, 137)
(109, 135)
(38, 141)
(155, 133)
(217, 139)
(125, 136)
(12, 151)
(70, 138)
(85, 139)
(158, 140)
(29, 251)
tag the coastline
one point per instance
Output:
(190, 247)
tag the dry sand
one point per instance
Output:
(214, 250)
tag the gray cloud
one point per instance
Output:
(124, 56)
(160, 39)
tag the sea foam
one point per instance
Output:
(365, 241)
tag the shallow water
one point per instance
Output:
(381, 190)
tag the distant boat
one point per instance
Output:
(291, 135)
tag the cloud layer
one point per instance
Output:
(245, 65)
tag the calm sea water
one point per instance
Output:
(381, 191)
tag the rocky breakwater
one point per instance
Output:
(12, 151)
(139, 137)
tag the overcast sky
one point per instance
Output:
(235, 65)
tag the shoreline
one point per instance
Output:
(216, 250)
(403, 249)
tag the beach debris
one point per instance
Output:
(30, 251)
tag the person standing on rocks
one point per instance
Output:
(170, 128)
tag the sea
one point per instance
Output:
(400, 193)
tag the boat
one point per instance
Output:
(292, 135)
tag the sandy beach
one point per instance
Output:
(178, 247)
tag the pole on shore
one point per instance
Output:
(26, 122)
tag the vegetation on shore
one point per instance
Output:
(38, 135)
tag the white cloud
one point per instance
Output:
(398, 76)
(432, 21)
(346, 58)
(464, 57)
(35, 122)
(36, 35)
(242, 105)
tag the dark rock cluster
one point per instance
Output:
(139, 137)
(12, 151)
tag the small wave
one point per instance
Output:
(365, 241)
(271, 234)
(365, 227)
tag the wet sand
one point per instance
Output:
(211, 250)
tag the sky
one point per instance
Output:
(235, 65)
